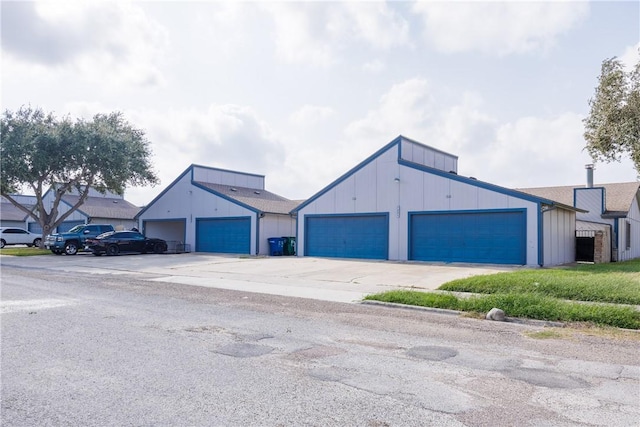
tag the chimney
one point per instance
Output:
(589, 169)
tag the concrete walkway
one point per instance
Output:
(316, 278)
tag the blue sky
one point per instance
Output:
(303, 91)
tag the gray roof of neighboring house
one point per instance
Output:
(104, 207)
(261, 200)
(8, 212)
(619, 196)
(591, 226)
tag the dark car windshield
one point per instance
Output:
(76, 228)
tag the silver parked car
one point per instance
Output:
(18, 236)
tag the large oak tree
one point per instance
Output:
(39, 152)
(612, 128)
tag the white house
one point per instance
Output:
(11, 216)
(610, 209)
(108, 208)
(217, 210)
(407, 202)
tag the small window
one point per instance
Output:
(627, 236)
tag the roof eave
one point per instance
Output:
(615, 214)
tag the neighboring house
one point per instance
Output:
(612, 220)
(10, 215)
(407, 202)
(216, 210)
(108, 208)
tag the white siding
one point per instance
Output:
(183, 200)
(118, 224)
(95, 193)
(428, 156)
(559, 237)
(633, 218)
(171, 231)
(275, 225)
(236, 179)
(415, 191)
(589, 199)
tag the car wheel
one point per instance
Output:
(2, 243)
(158, 248)
(37, 242)
(113, 250)
(71, 248)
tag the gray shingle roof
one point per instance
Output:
(9, 212)
(104, 207)
(619, 196)
(262, 200)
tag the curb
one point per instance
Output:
(516, 320)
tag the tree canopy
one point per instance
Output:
(39, 152)
(612, 128)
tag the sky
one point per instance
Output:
(301, 92)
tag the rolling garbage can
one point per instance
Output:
(276, 246)
(289, 246)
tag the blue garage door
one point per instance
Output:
(34, 227)
(492, 237)
(224, 235)
(347, 236)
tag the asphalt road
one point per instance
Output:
(81, 349)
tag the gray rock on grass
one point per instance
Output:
(496, 314)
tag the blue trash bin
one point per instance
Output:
(276, 246)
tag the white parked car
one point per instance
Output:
(18, 236)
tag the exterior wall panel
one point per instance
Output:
(633, 219)
(183, 200)
(235, 179)
(420, 190)
(590, 199)
(118, 224)
(169, 229)
(344, 195)
(559, 237)
(428, 156)
(273, 225)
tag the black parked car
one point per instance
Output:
(115, 242)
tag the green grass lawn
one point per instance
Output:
(583, 293)
(612, 282)
(24, 251)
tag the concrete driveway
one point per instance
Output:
(317, 278)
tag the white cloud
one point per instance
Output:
(108, 42)
(226, 136)
(538, 152)
(317, 33)
(299, 37)
(529, 152)
(498, 27)
(463, 127)
(311, 115)
(376, 23)
(404, 109)
(631, 57)
(375, 66)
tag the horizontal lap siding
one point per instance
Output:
(224, 235)
(347, 236)
(496, 237)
